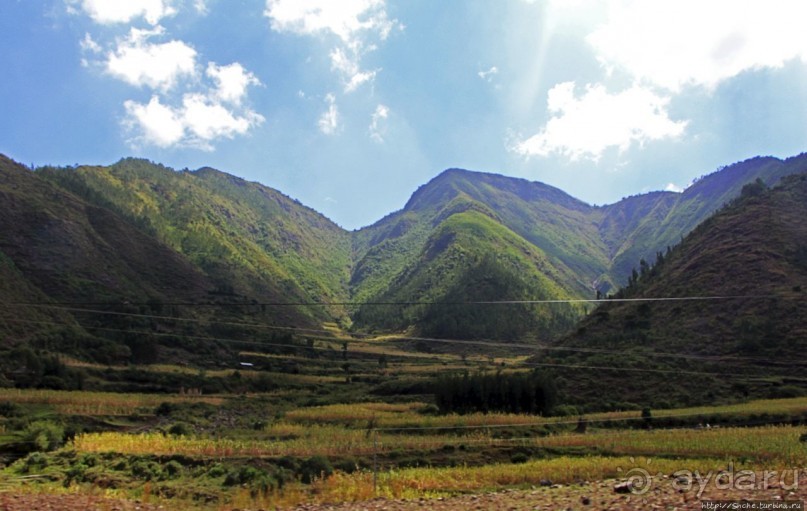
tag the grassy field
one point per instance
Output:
(228, 451)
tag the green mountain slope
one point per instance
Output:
(249, 239)
(667, 216)
(752, 256)
(139, 233)
(581, 248)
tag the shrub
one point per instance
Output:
(173, 469)
(35, 461)
(9, 409)
(165, 408)
(146, 470)
(519, 457)
(315, 467)
(565, 410)
(45, 435)
(179, 429)
(216, 470)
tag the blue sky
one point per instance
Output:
(350, 105)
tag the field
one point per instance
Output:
(258, 451)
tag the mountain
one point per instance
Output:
(248, 239)
(467, 237)
(138, 244)
(146, 241)
(556, 246)
(732, 318)
(636, 227)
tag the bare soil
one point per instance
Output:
(664, 494)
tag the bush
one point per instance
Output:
(9, 409)
(786, 391)
(179, 429)
(146, 470)
(347, 465)
(216, 470)
(35, 461)
(245, 475)
(315, 467)
(173, 469)
(44, 435)
(165, 408)
(565, 410)
(429, 409)
(519, 457)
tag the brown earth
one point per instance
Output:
(664, 494)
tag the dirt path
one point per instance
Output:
(664, 494)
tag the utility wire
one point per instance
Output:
(424, 302)
(363, 338)
(330, 350)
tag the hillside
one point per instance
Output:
(140, 238)
(249, 239)
(750, 259)
(93, 267)
(421, 252)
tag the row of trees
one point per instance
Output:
(532, 392)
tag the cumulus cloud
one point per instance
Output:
(347, 19)
(188, 107)
(378, 123)
(690, 42)
(585, 126)
(231, 81)
(139, 62)
(198, 122)
(660, 47)
(356, 24)
(119, 11)
(207, 119)
(159, 123)
(672, 187)
(329, 122)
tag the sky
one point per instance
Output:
(349, 105)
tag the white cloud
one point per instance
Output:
(378, 123)
(489, 74)
(156, 65)
(89, 44)
(231, 81)
(198, 122)
(123, 11)
(691, 42)
(200, 6)
(187, 108)
(348, 66)
(347, 19)
(208, 120)
(585, 126)
(160, 124)
(329, 121)
(355, 23)
(672, 187)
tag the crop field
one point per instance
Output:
(259, 450)
(98, 403)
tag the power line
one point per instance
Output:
(362, 338)
(330, 350)
(423, 302)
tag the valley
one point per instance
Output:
(191, 340)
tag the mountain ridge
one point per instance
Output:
(248, 243)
